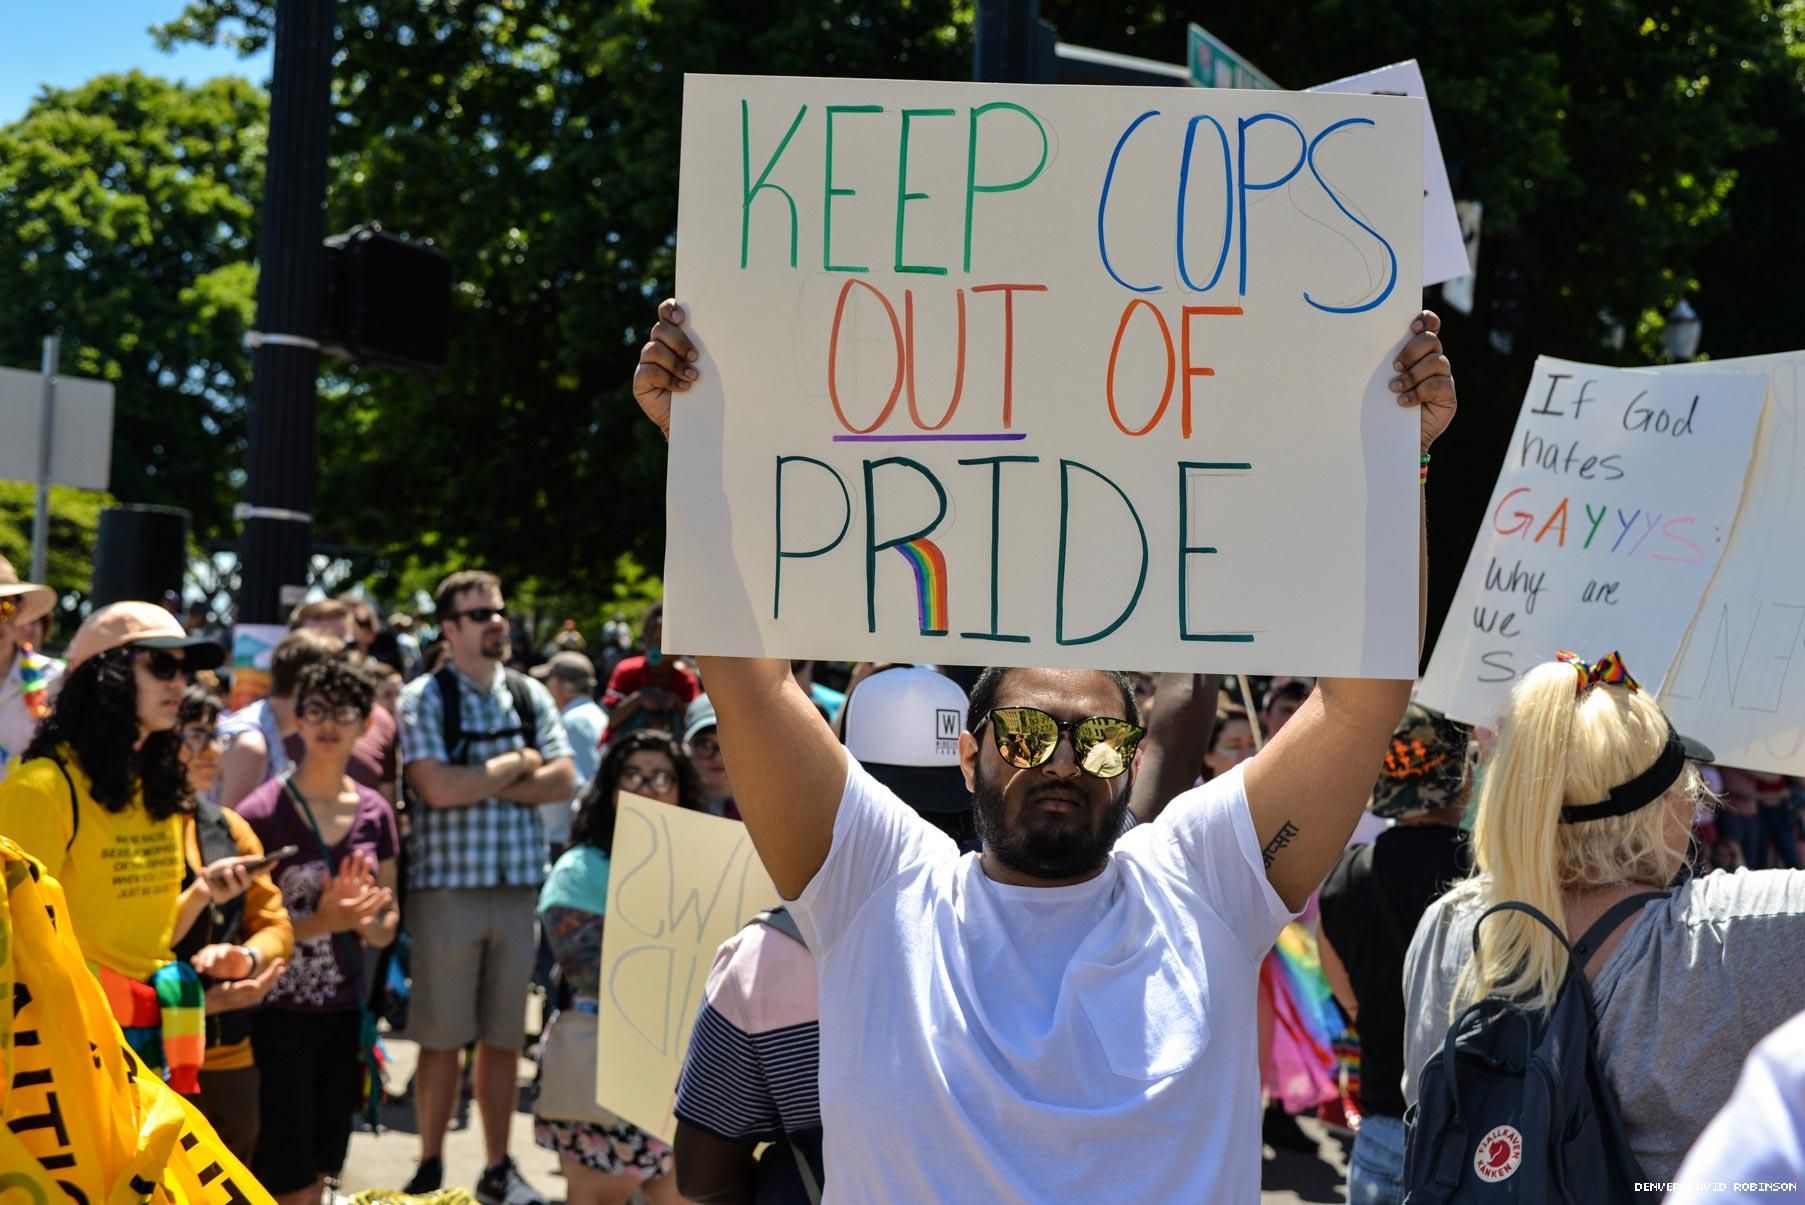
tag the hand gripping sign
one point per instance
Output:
(1047, 376)
(85, 1120)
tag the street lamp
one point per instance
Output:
(1682, 331)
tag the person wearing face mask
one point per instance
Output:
(239, 947)
(651, 691)
(604, 1159)
(98, 798)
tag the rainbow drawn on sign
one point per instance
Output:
(929, 564)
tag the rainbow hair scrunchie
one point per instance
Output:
(1608, 670)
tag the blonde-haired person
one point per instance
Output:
(1589, 800)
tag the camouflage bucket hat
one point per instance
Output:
(1425, 769)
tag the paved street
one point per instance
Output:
(386, 1161)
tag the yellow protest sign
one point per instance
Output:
(85, 1120)
(680, 884)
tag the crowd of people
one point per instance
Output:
(1104, 944)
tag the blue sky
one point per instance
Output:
(64, 42)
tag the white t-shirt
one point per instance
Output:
(985, 1042)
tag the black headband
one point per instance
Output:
(1645, 787)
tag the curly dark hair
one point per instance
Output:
(199, 706)
(96, 716)
(594, 824)
(336, 681)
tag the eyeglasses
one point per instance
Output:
(479, 614)
(705, 746)
(1027, 737)
(197, 738)
(315, 712)
(161, 664)
(634, 779)
(366, 624)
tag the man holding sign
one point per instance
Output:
(1062, 1016)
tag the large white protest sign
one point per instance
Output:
(1617, 498)
(680, 883)
(1046, 376)
(1738, 683)
(1445, 254)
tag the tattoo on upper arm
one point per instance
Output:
(1279, 841)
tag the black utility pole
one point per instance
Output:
(1012, 44)
(278, 514)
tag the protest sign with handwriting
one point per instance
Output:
(1617, 498)
(1444, 246)
(1739, 681)
(680, 883)
(1046, 376)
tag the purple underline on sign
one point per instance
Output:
(932, 438)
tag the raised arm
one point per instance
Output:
(788, 770)
(1307, 787)
(1178, 736)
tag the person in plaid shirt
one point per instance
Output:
(476, 862)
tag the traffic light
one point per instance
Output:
(387, 301)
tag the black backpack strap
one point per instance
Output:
(1581, 951)
(781, 920)
(451, 713)
(74, 799)
(1604, 926)
(74, 804)
(525, 709)
(1535, 914)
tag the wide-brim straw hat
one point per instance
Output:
(30, 600)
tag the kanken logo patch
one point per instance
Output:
(1499, 1155)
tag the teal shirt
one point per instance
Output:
(571, 905)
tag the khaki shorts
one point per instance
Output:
(472, 959)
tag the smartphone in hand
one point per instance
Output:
(267, 862)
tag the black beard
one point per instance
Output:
(1042, 854)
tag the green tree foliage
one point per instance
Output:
(1609, 144)
(1602, 137)
(537, 143)
(1613, 145)
(128, 219)
(74, 524)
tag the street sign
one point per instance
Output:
(1215, 65)
(82, 450)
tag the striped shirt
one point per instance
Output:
(493, 843)
(754, 1057)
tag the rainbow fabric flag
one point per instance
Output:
(1307, 1021)
(164, 1021)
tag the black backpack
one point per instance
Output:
(457, 741)
(1515, 1106)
